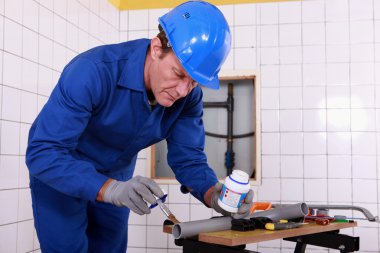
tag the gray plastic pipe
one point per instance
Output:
(192, 228)
(286, 212)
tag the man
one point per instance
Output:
(83, 145)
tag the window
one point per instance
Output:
(232, 124)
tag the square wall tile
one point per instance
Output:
(314, 74)
(363, 96)
(363, 120)
(290, 12)
(362, 52)
(340, 190)
(313, 11)
(268, 13)
(28, 107)
(270, 144)
(314, 120)
(290, 34)
(200, 212)
(269, 190)
(338, 120)
(361, 9)
(154, 14)
(364, 190)
(292, 143)
(245, 14)
(25, 236)
(270, 76)
(24, 133)
(339, 143)
(363, 143)
(9, 170)
(337, 10)
(315, 143)
(315, 190)
(337, 74)
(181, 211)
(362, 73)
(245, 58)
(25, 211)
(45, 51)
(364, 167)
(245, 36)
(138, 20)
(315, 166)
(269, 36)
(45, 21)
(270, 98)
(137, 236)
(12, 37)
(270, 121)
(313, 33)
(292, 190)
(269, 55)
(23, 173)
(12, 70)
(290, 120)
(314, 97)
(291, 166)
(337, 33)
(362, 32)
(13, 9)
(270, 165)
(291, 75)
(176, 196)
(338, 97)
(8, 235)
(156, 238)
(337, 53)
(291, 97)
(10, 137)
(29, 45)
(9, 211)
(228, 12)
(11, 104)
(314, 54)
(291, 55)
(136, 219)
(339, 166)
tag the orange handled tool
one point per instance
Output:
(260, 206)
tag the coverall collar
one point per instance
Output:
(132, 76)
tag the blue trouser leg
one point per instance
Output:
(67, 224)
(108, 228)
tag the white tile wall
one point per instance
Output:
(319, 62)
(37, 38)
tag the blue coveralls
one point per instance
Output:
(95, 122)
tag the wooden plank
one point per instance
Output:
(234, 238)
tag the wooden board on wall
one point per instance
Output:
(154, 4)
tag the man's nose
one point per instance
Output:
(182, 88)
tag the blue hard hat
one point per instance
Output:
(200, 38)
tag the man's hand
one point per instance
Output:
(132, 194)
(243, 210)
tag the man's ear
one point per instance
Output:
(155, 48)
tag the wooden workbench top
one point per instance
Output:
(234, 238)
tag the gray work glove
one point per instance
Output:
(132, 194)
(243, 210)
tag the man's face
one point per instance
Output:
(169, 80)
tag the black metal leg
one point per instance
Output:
(194, 246)
(300, 247)
(330, 240)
